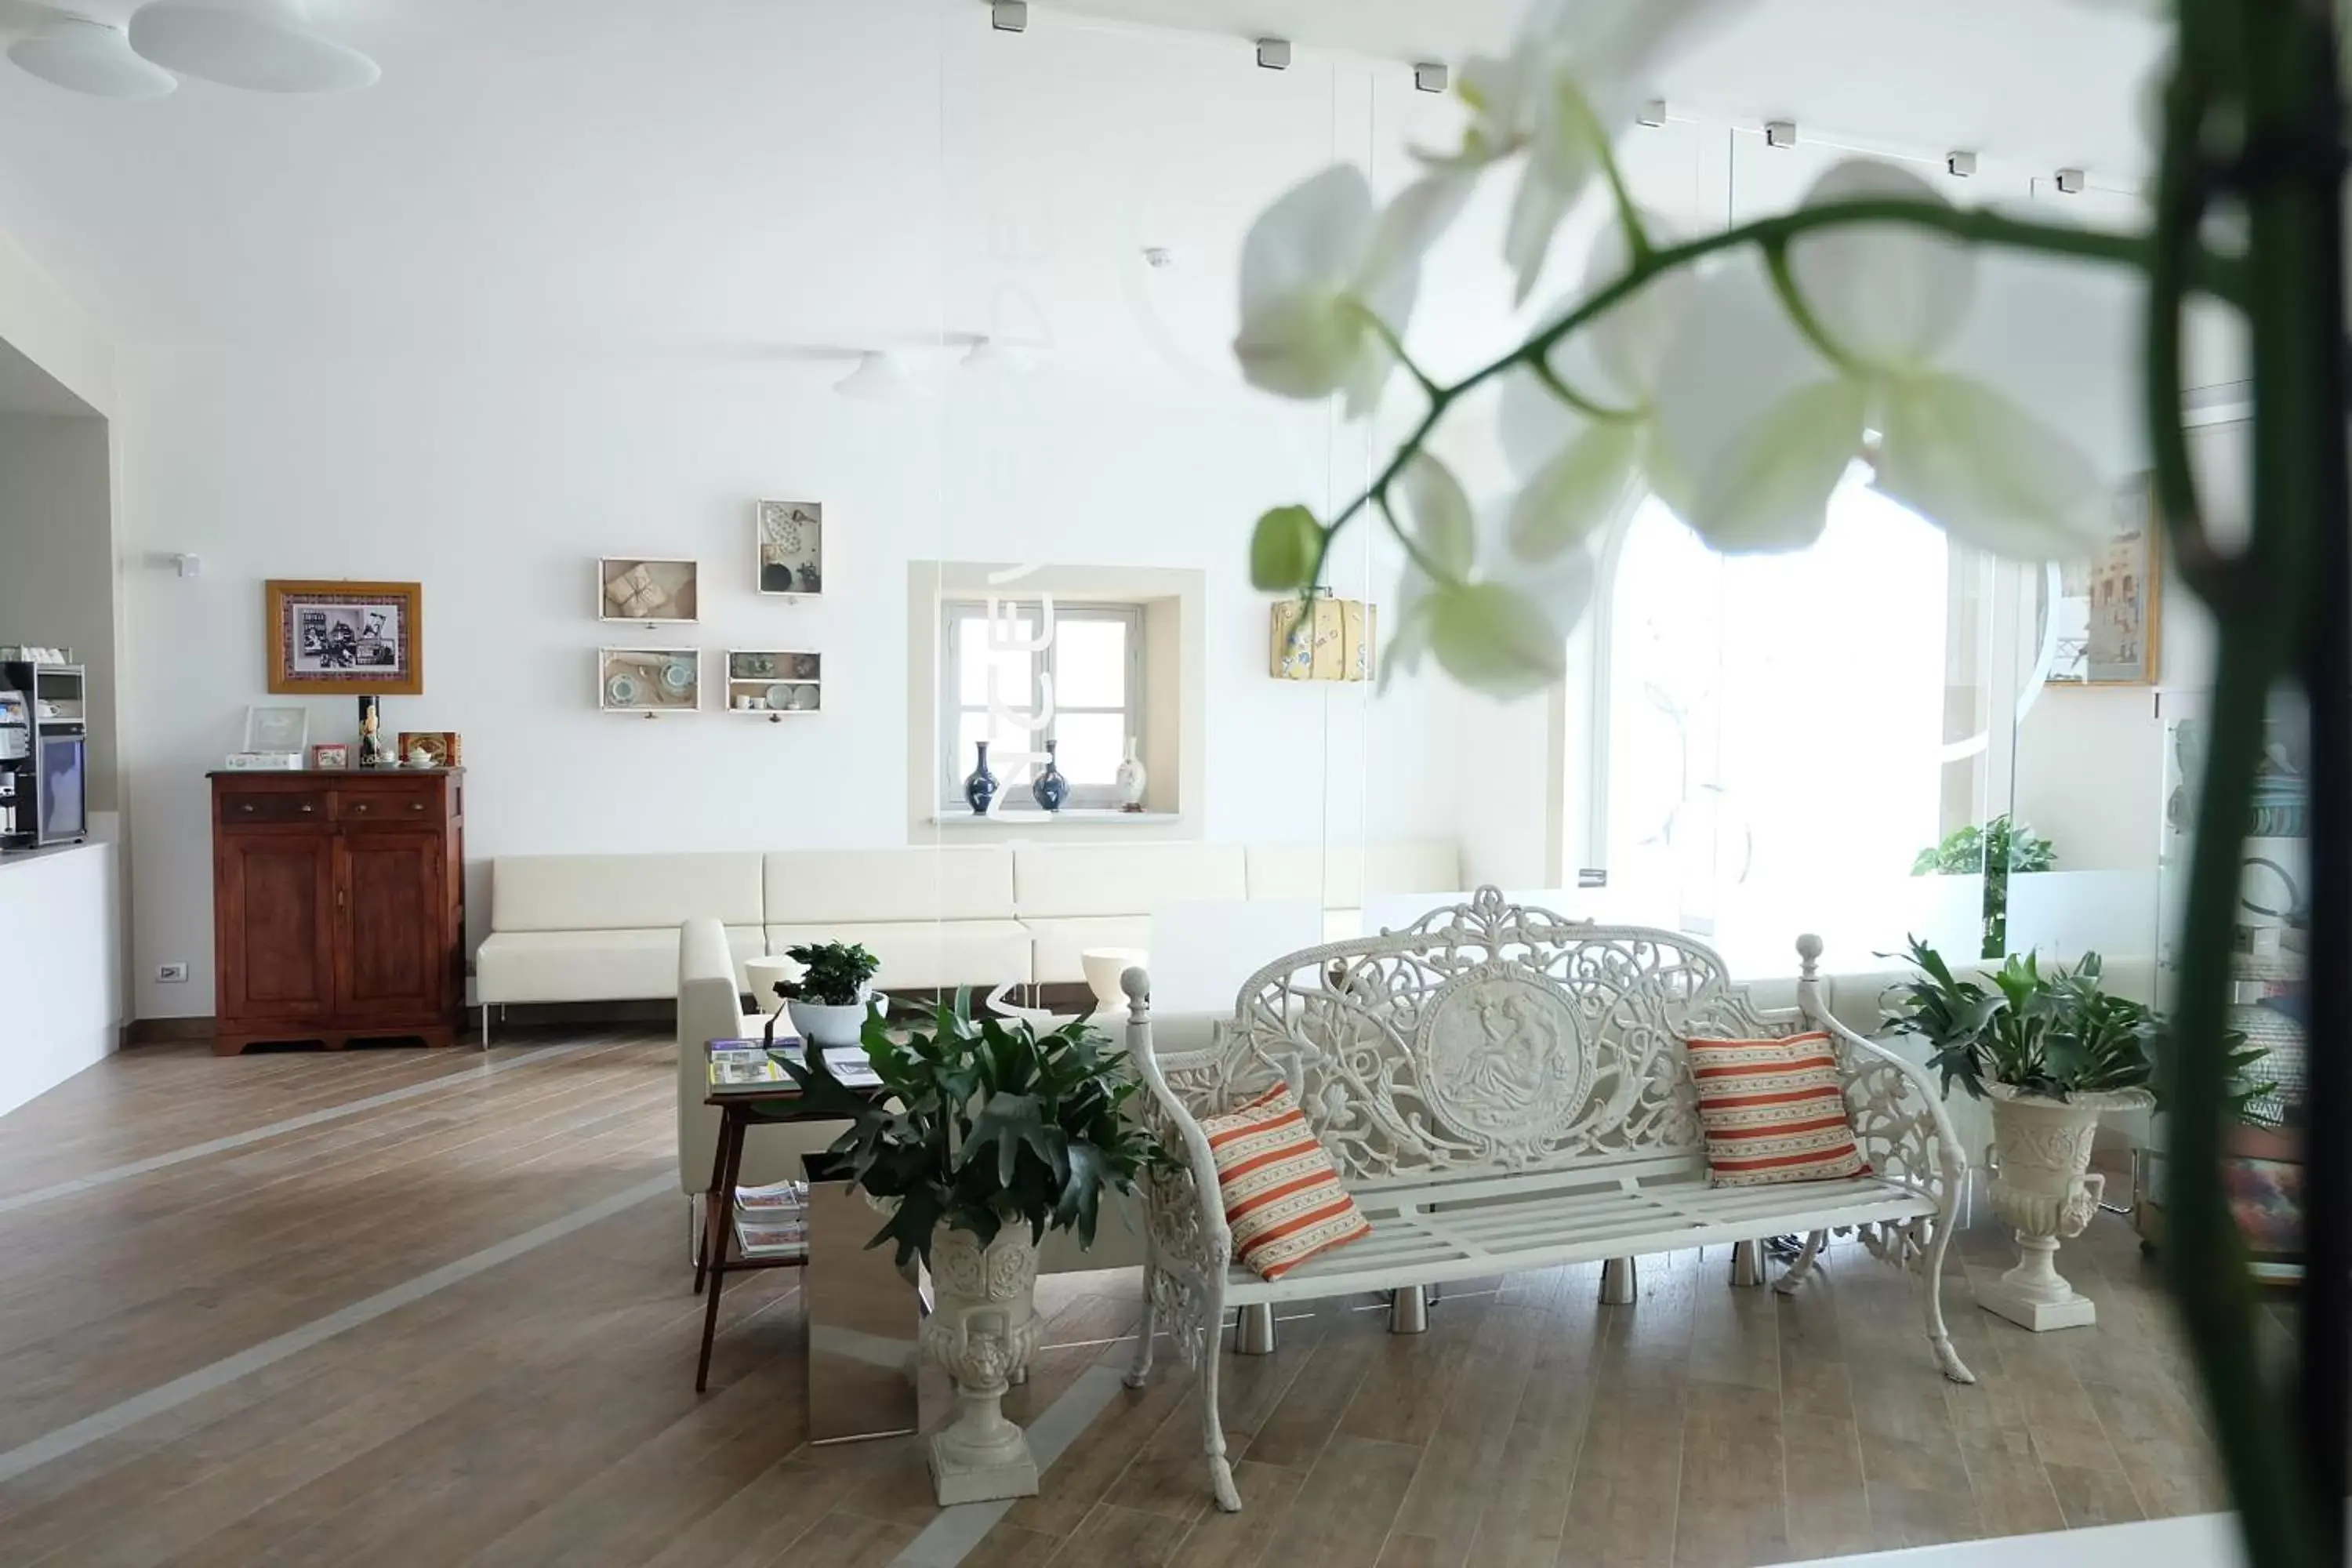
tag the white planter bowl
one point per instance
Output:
(823, 1026)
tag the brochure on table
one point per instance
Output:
(742, 1066)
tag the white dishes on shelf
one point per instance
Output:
(648, 680)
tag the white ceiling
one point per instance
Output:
(2052, 79)
(749, 174)
(26, 388)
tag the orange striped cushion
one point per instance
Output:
(1283, 1199)
(1774, 1111)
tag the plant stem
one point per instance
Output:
(2292, 170)
(2288, 1494)
(2222, 277)
(1801, 312)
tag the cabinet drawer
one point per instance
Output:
(407, 808)
(275, 806)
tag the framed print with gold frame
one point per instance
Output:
(2106, 610)
(345, 639)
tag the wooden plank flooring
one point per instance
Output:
(541, 1410)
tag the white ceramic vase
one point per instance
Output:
(825, 1025)
(1132, 779)
(981, 1331)
(2044, 1188)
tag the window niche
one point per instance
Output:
(1123, 657)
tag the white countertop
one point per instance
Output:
(15, 858)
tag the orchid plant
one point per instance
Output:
(1736, 375)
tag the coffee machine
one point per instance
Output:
(44, 755)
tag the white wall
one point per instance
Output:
(42, 323)
(57, 560)
(61, 945)
(496, 476)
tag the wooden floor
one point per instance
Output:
(542, 1410)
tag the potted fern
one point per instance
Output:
(2053, 1051)
(828, 1003)
(986, 1134)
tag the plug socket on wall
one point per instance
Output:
(172, 973)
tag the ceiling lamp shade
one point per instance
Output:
(878, 378)
(994, 356)
(262, 45)
(86, 56)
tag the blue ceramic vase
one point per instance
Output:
(980, 785)
(1050, 789)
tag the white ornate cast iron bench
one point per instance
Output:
(1503, 1089)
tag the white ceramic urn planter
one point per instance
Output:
(2044, 1187)
(982, 1329)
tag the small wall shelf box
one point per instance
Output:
(768, 683)
(790, 538)
(648, 591)
(648, 680)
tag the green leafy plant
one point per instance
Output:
(833, 974)
(2055, 1033)
(986, 1124)
(1996, 848)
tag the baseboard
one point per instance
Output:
(165, 1031)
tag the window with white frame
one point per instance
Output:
(1039, 670)
(1775, 736)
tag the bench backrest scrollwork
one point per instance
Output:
(1485, 1038)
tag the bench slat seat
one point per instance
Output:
(1419, 1239)
(1501, 1089)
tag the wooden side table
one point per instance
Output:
(738, 1113)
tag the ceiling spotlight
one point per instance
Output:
(263, 45)
(878, 378)
(86, 56)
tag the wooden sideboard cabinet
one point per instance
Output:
(339, 906)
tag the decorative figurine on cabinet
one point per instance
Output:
(372, 751)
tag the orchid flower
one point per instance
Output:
(1585, 474)
(1328, 285)
(1495, 620)
(1572, 81)
(1780, 369)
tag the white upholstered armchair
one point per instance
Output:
(710, 1008)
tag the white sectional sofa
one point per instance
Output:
(603, 928)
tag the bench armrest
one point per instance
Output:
(1184, 1207)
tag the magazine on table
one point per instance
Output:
(772, 1238)
(739, 1068)
(747, 1065)
(778, 1199)
(853, 1067)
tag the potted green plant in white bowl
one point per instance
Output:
(985, 1134)
(2054, 1051)
(829, 1001)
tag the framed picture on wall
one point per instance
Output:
(348, 640)
(2107, 609)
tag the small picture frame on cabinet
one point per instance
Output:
(331, 758)
(286, 729)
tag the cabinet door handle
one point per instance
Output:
(308, 808)
(339, 897)
(362, 806)
(417, 805)
(246, 807)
